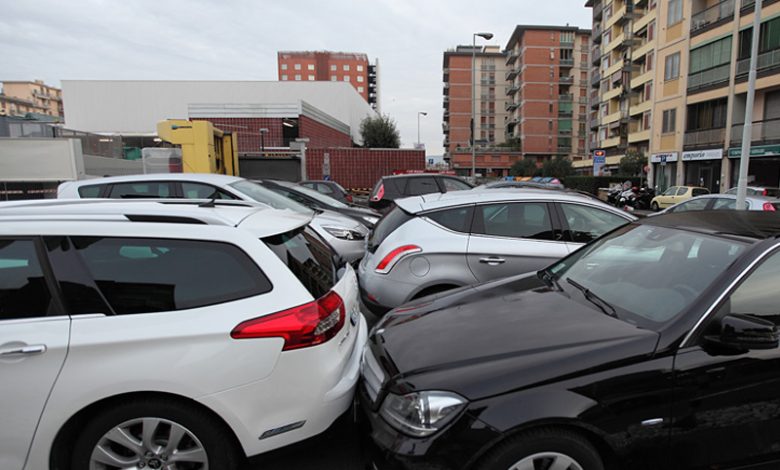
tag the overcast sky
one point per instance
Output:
(55, 40)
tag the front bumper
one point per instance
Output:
(456, 447)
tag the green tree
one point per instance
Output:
(632, 164)
(525, 167)
(557, 167)
(380, 132)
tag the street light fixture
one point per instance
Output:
(263, 132)
(419, 113)
(488, 37)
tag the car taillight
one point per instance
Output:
(301, 327)
(348, 198)
(380, 193)
(764, 192)
(389, 261)
(768, 206)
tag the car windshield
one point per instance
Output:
(266, 196)
(327, 200)
(649, 274)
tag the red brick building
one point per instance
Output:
(350, 67)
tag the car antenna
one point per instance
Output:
(211, 203)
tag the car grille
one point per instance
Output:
(373, 377)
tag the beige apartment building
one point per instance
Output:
(689, 61)
(20, 98)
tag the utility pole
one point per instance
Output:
(747, 131)
(487, 36)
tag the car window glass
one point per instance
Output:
(23, 289)
(722, 204)
(421, 185)
(142, 275)
(308, 257)
(293, 196)
(309, 185)
(150, 189)
(671, 191)
(692, 205)
(516, 220)
(91, 191)
(681, 191)
(732, 191)
(324, 189)
(266, 196)
(758, 294)
(458, 219)
(79, 291)
(699, 192)
(588, 223)
(203, 191)
(451, 184)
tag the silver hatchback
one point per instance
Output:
(432, 243)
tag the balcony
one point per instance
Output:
(511, 106)
(565, 113)
(511, 90)
(566, 97)
(705, 137)
(567, 44)
(613, 93)
(598, 11)
(761, 132)
(716, 76)
(712, 16)
(567, 63)
(511, 57)
(595, 56)
(511, 74)
(639, 136)
(767, 60)
(595, 80)
(596, 33)
(566, 80)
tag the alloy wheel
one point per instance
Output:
(149, 443)
(547, 461)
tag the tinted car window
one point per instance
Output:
(588, 223)
(308, 257)
(452, 184)
(142, 275)
(758, 294)
(727, 204)
(681, 191)
(203, 191)
(458, 219)
(421, 185)
(146, 189)
(23, 289)
(692, 205)
(516, 220)
(324, 189)
(699, 192)
(93, 190)
(79, 291)
(387, 225)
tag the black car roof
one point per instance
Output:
(750, 224)
(415, 175)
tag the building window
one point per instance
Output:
(648, 91)
(710, 56)
(649, 61)
(672, 70)
(360, 78)
(675, 12)
(333, 67)
(346, 67)
(310, 66)
(297, 66)
(334, 78)
(651, 31)
(298, 77)
(359, 68)
(346, 78)
(670, 121)
(284, 66)
(311, 78)
(360, 89)
(284, 77)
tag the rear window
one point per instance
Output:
(144, 275)
(309, 258)
(700, 192)
(145, 189)
(421, 185)
(457, 219)
(94, 190)
(387, 225)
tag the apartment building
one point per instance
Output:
(547, 84)
(493, 158)
(20, 98)
(350, 67)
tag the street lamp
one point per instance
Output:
(419, 113)
(487, 36)
(263, 132)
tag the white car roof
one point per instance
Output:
(261, 220)
(202, 177)
(433, 201)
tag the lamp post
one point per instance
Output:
(263, 132)
(487, 36)
(747, 130)
(419, 113)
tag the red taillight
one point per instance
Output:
(765, 192)
(768, 206)
(380, 193)
(348, 198)
(300, 327)
(389, 261)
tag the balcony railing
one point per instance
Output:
(565, 113)
(766, 60)
(595, 80)
(567, 62)
(712, 15)
(511, 57)
(511, 74)
(511, 90)
(510, 106)
(566, 97)
(713, 76)
(567, 79)
(761, 131)
(705, 137)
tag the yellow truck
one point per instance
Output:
(204, 148)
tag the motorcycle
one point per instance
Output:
(644, 197)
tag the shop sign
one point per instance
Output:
(714, 154)
(758, 151)
(663, 158)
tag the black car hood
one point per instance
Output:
(493, 338)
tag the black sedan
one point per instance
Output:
(655, 347)
(316, 200)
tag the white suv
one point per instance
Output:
(159, 335)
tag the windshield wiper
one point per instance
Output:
(594, 299)
(549, 278)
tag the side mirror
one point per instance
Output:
(746, 332)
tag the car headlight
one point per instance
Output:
(344, 233)
(421, 414)
(370, 220)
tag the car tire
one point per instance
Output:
(655, 207)
(543, 448)
(118, 431)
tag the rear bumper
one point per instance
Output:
(374, 307)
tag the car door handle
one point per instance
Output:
(493, 260)
(24, 350)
